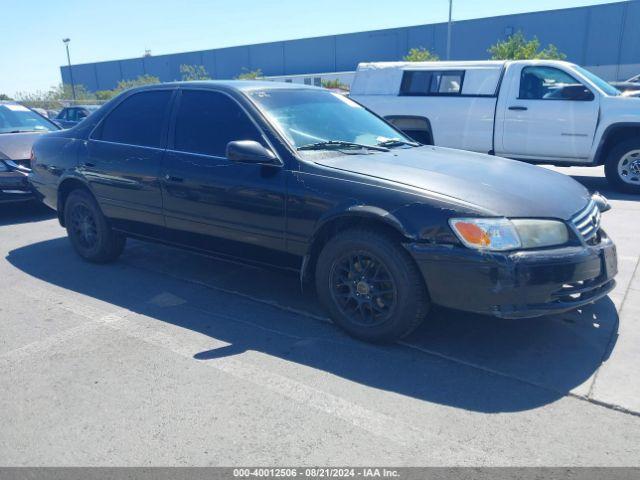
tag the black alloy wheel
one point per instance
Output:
(88, 229)
(363, 289)
(370, 285)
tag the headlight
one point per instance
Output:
(3, 167)
(486, 233)
(500, 234)
(541, 233)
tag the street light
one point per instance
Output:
(73, 86)
(449, 31)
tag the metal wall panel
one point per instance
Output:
(132, 68)
(299, 59)
(268, 57)
(603, 36)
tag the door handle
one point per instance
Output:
(517, 107)
(88, 164)
(171, 178)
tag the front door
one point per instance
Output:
(123, 158)
(212, 202)
(548, 114)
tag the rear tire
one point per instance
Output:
(371, 287)
(622, 167)
(89, 231)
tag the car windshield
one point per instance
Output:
(322, 120)
(600, 83)
(17, 118)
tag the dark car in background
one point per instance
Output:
(71, 116)
(19, 128)
(308, 180)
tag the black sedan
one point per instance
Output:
(304, 179)
(19, 128)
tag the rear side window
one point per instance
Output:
(426, 83)
(138, 120)
(207, 121)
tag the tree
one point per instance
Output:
(517, 47)
(5, 97)
(250, 74)
(335, 84)
(123, 85)
(420, 54)
(55, 97)
(194, 72)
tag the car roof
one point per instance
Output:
(232, 85)
(84, 106)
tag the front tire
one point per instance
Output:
(622, 167)
(371, 286)
(88, 230)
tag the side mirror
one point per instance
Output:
(249, 151)
(577, 92)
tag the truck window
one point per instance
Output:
(428, 83)
(549, 83)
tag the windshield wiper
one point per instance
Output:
(392, 142)
(338, 144)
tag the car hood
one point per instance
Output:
(496, 186)
(17, 146)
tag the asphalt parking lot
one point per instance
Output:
(171, 358)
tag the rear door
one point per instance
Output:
(210, 201)
(123, 158)
(546, 114)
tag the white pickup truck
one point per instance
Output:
(541, 111)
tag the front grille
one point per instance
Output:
(587, 222)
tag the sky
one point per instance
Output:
(31, 50)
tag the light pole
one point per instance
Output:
(73, 86)
(449, 31)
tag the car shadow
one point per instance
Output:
(461, 360)
(24, 212)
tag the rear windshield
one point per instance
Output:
(17, 118)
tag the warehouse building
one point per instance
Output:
(604, 38)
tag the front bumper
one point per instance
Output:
(14, 187)
(517, 284)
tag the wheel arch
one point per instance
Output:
(612, 135)
(413, 123)
(67, 186)
(354, 217)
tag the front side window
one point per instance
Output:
(427, 82)
(16, 118)
(138, 120)
(549, 83)
(63, 114)
(307, 116)
(603, 85)
(207, 121)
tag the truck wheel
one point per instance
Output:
(371, 286)
(88, 230)
(622, 167)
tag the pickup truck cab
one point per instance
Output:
(541, 111)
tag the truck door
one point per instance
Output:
(546, 114)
